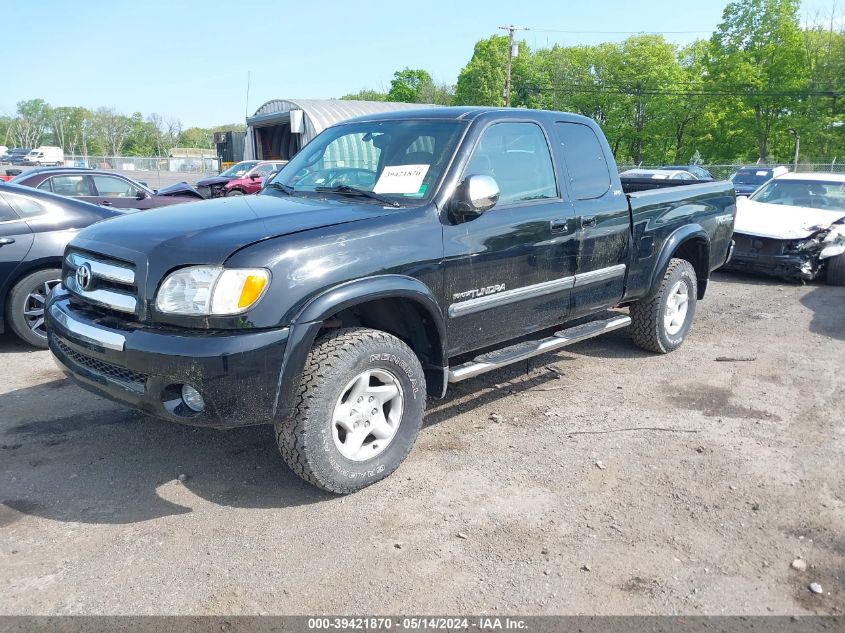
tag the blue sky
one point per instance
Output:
(189, 58)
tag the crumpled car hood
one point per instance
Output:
(179, 189)
(781, 221)
(213, 180)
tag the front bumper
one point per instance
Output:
(144, 367)
(792, 266)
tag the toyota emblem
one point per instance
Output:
(83, 277)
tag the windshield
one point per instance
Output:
(235, 171)
(803, 193)
(402, 161)
(751, 177)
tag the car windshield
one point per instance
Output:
(803, 193)
(399, 161)
(751, 177)
(240, 169)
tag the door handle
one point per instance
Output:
(560, 225)
(588, 222)
(6, 240)
(105, 203)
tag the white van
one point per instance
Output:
(45, 155)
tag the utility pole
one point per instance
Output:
(511, 54)
(797, 147)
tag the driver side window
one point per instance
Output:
(517, 156)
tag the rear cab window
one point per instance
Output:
(589, 173)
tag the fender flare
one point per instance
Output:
(306, 325)
(677, 239)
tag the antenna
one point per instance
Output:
(246, 106)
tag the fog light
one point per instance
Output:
(192, 398)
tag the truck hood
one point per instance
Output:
(208, 232)
(780, 221)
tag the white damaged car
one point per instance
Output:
(793, 227)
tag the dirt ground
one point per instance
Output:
(615, 482)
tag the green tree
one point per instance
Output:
(111, 129)
(196, 137)
(31, 122)
(756, 52)
(365, 94)
(68, 125)
(482, 80)
(408, 85)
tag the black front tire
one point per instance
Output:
(836, 270)
(24, 299)
(648, 328)
(234, 193)
(307, 441)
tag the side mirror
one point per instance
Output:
(475, 195)
(255, 176)
(142, 195)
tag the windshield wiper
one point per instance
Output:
(282, 187)
(354, 191)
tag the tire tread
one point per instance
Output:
(646, 312)
(319, 367)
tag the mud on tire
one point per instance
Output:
(648, 328)
(311, 441)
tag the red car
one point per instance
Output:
(239, 180)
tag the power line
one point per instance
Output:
(618, 32)
(641, 91)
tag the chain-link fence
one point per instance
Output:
(725, 171)
(190, 165)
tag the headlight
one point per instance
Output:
(209, 290)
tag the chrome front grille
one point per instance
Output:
(101, 281)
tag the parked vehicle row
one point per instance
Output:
(105, 188)
(242, 179)
(396, 254)
(15, 156)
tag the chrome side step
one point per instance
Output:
(527, 349)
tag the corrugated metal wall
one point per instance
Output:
(318, 114)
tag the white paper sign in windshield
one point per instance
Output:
(401, 179)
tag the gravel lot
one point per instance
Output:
(734, 471)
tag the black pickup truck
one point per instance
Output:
(394, 255)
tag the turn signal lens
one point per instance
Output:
(238, 289)
(253, 287)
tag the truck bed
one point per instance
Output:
(657, 213)
(632, 185)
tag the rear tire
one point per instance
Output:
(661, 323)
(836, 270)
(358, 410)
(26, 305)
